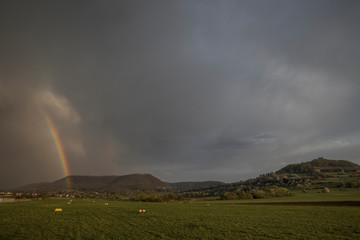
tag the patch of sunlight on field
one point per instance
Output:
(85, 219)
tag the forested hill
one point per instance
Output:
(322, 165)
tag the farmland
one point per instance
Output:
(92, 219)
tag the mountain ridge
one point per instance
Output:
(113, 183)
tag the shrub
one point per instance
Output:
(245, 195)
(259, 194)
(282, 192)
(228, 196)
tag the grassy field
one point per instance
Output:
(88, 219)
(314, 195)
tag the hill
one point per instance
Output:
(316, 174)
(124, 184)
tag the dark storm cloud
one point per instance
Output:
(181, 89)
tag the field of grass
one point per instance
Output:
(88, 219)
(314, 195)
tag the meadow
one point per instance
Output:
(92, 219)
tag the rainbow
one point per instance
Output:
(60, 150)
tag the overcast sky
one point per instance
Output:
(184, 90)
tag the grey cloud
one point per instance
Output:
(184, 89)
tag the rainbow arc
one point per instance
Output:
(59, 148)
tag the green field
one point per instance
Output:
(314, 195)
(92, 219)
